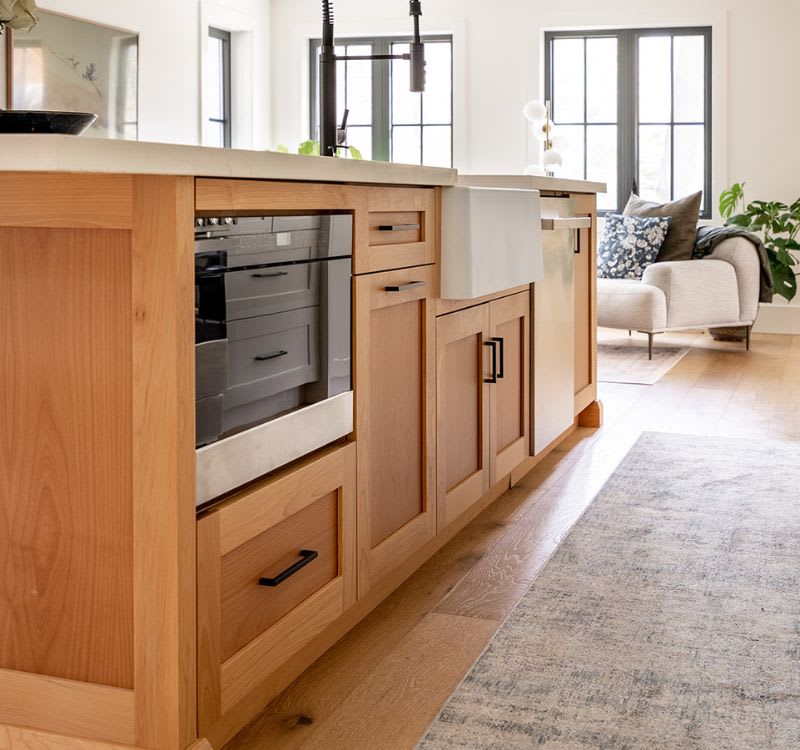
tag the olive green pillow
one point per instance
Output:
(685, 213)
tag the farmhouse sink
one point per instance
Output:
(491, 240)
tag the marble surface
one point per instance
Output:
(57, 153)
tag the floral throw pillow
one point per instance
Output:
(629, 244)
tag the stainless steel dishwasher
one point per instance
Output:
(553, 323)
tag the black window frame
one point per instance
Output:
(628, 104)
(382, 123)
(227, 126)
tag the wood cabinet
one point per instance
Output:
(462, 406)
(483, 400)
(395, 418)
(510, 433)
(275, 567)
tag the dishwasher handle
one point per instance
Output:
(566, 223)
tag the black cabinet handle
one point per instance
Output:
(272, 355)
(269, 275)
(493, 377)
(500, 340)
(306, 556)
(405, 287)
(398, 227)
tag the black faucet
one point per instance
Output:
(331, 136)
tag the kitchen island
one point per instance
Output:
(127, 618)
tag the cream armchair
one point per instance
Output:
(719, 291)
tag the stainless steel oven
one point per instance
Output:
(273, 343)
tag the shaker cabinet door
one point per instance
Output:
(464, 365)
(510, 436)
(395, 418)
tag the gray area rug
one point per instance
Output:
(630, 364)
(668, 618)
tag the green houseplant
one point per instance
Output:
(311, 148)
(777, 223)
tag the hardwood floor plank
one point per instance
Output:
(413, 682)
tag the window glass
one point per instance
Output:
(387, 120)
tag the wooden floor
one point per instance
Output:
(380, 686)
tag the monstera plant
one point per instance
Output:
(17, 14)
(779, 226)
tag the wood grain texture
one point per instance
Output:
(510, 439)
(164, 528)
(447, 306)
(87, 201)
(66, 515)
(215, 195)
(70, 708)
(463, 413)
(412, 681)
(592, 415)
(245, 632)
(395, 419)
(249, 609)
(22, 738)
(384, 251)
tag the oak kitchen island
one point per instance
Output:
(127, 617)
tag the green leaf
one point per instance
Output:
(739, 220)
(308, 148)
(729, 199)
(785, 282)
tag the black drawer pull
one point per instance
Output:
(306, 556)
(500, 340)
(493, 377)
(398, 227)
(405, 287)
(268, 357)
(270, 275)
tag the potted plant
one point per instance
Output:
(779, 226)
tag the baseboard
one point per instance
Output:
(774, 318)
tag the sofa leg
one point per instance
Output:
(747, 338)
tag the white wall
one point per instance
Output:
(170, 46)
(499, 68)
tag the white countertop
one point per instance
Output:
(62, 153)
(526, 182)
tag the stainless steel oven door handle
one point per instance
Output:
(566, 223)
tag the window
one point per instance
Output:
(387, 121)
(635, 107)
(218, 88)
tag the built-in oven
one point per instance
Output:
(272, 341)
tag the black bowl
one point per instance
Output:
(35, 121)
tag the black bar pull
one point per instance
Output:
(271, 355)
(500, 340)
(306, 556)
(405, 287)
(493, 377)
(274, 275)
(398, 227)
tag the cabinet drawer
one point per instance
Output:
(271, 354)
(276, 566)
(400, 231)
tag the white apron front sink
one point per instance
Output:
(491, 240)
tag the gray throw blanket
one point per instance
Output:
(709, 237)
